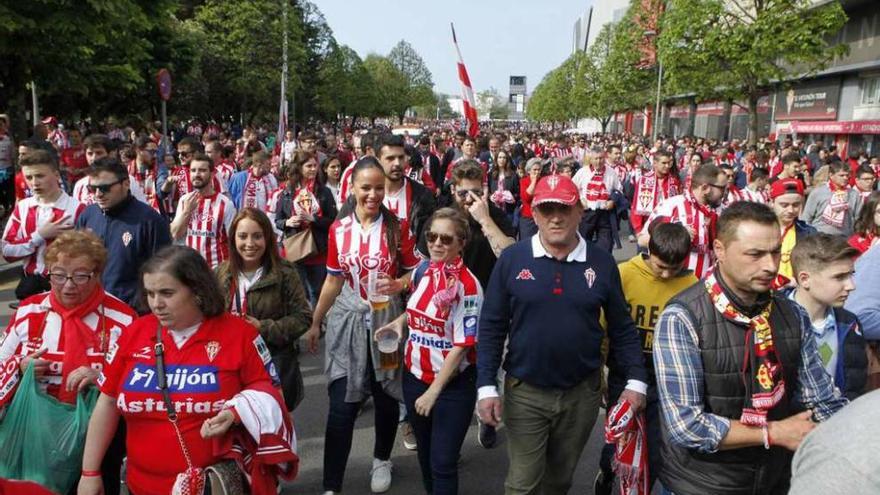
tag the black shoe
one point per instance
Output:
(486, 436)
(604, 483)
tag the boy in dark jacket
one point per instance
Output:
(823, 270)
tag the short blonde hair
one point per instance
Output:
(76, 243)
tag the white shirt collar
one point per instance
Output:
(579, 254)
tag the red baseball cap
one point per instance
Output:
(50, 120)
(555, 189)
(786, 186)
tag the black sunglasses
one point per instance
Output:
(445, 239)
(463, 193)
(104, 188)
(717, 186)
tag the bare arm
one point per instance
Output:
(102, 427)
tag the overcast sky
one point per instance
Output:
(497, 38)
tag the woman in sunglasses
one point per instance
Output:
(66, 333)
(439, 381)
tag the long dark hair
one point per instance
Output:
(271, 259)
(392, 230)
(865, 223)
(508, 168)
(295, 173)
(190, 269)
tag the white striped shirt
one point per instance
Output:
(434, 332)
(208, 226)
(21, 239)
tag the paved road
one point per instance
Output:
(481, 471)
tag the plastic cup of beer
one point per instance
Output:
(388, 343)
(378, 302)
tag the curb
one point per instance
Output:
(10, 272)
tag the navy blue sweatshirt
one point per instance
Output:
(132, 232)
(549, 309)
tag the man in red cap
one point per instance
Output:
(787, 200)
(554, 276)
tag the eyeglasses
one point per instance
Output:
(717, 186)
(445, 239)
(104, 188)
(77, 278)
(463, 193)
(185, 153)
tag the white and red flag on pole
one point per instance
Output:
(467, 92)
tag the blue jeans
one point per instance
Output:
(312, 277)
(340, 428)
(440, 435)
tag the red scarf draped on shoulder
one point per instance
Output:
(76, 337)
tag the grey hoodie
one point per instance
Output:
(816, 203)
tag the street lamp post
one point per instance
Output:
(657, 105)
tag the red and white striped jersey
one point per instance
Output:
(82, 195)
(20, 238)
(681, 209)
(434, 331)
(58, 139)
(184, 184)
(352, 251)
(208, 227)
(272, 209)
(35, 326)
(558, 152)
(399, 202)
(735, 194)
(223, 171)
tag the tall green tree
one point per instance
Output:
(344, 85)
(551, 99)
(241, 62)
(419, 81)
(740, 48)
(389, 88)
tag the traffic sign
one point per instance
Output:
(163, 79)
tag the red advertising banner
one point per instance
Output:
(742, 107)
(680, 112)
(710, 108)
(851, 127)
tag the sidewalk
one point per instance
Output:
(9, 271)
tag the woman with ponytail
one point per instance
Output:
(369, 255)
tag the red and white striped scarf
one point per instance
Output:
(596, 191)
(256, 192)
(834, 213)
(652, 191)
(625, 429)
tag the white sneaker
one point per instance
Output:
(380, 480)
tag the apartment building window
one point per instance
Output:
(869, 91)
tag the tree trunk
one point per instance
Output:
(753, 117)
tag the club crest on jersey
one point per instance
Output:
(553, 181)
(525, 274)
(126, 239)
(211, 349)
(590, 275)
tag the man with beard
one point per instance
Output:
(253, 187)
(739, 377)
(696, 210)
(179, 182)
(404, 197)
(491, 230)
(204, 215)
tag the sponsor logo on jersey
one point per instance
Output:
(150, 404)
(470, 326)
(525, 274)
(266, 357)
(182, 379)
(426, 324)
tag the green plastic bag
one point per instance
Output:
(42, 439)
